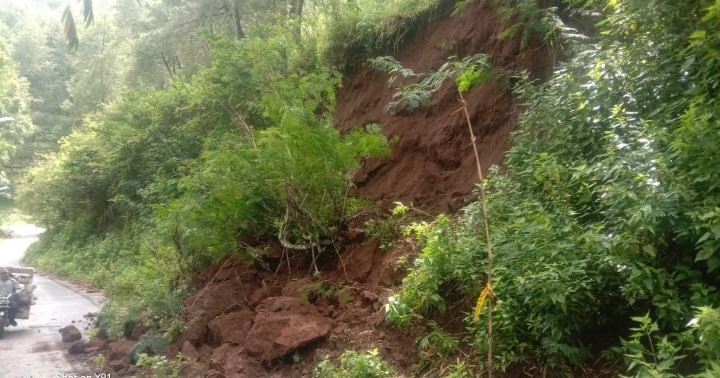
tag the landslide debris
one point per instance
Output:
(280, 319)
(432, 164)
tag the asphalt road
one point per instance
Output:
(34, 348)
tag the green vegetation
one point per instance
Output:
(15, 118)
(607, 210)
(164, 176)
(160, 366)
(178, 129)
(355, 365)
(165, 181)
(364, 29)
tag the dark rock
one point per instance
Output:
(70, 334)
(78, 347)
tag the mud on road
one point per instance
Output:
(34, 348)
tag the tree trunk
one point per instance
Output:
(296, 9)
(239, 34)
(167, 65)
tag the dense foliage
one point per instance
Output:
(15, 118)
(178, 129)
(158, 181)
(355, 365)
(608, 209)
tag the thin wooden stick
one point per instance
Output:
(483, 201)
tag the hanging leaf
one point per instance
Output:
(69, 29)
(87, 12)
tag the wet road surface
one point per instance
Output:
(34, 348)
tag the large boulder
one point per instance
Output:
(70, 334)
(357, 261)
(78, 347)
(282, 325)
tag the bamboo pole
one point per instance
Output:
(483, 201)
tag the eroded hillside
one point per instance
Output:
(281, 319)
(432, 164)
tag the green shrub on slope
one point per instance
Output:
(608, 207)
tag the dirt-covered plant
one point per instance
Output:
(550, 284)
(161, 366)
(150, 344)
(355, 364)
(533, 20)
(327, 290)
(289, 180)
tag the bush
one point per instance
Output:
(292, 183)
(606, 208)
(355, 365)
(358, 31)
(648, 353)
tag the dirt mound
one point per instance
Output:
(432, 164)
(284, 321)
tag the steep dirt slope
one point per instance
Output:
(432, 163)
(278, 319)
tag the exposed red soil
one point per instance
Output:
(280, 320)
(245, 321)
(432, 163)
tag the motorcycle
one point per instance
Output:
(4, 316)
(24, 298)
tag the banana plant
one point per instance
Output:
(68, 20)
